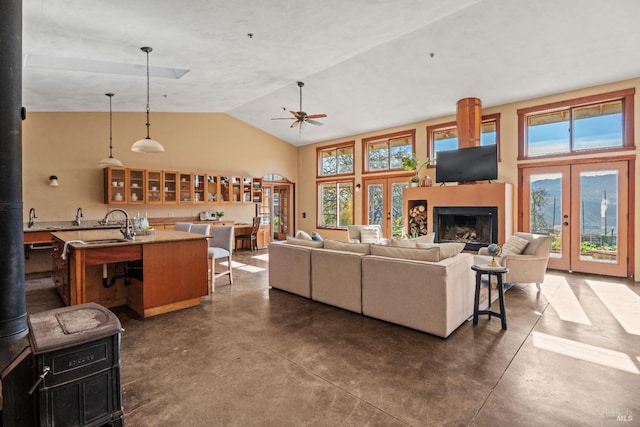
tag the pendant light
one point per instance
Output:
(110, 161)
(147, 145)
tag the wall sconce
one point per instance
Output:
(357, 188)
(53, 181)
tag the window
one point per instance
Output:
(335, 160)
(445, 136)
(385, 152)
(596, 123)
(335, 204)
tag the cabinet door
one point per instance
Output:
(185, 191)
(256, 191)
(236, 189)
(154, 187)
(247, 188)
(198, 188)
(225, 189)
(136, 185)
(212, 189)
(114, 186)
(169, 185)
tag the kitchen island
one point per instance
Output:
(152, 274)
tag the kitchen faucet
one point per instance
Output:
(79, 215)
(126, 229)
(32, 217)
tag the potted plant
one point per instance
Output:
(411, 163)
(219, 214)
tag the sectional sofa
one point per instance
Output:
(428, 287)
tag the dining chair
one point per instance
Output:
(252, 237)
(200, 229)
(182, 226)
(220, 247)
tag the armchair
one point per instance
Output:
(527, 267)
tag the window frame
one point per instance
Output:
(624, 95)
(453, 125)
(389, 136)
(320, 150)
(335, 182)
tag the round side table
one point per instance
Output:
(489, 271)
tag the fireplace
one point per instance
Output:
(476, 226)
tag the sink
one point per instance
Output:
(104, 241)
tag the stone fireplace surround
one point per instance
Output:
(494, 195)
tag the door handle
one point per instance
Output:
(566, 223)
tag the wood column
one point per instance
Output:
(468, 121)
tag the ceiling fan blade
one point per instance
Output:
(281, 118)
(295, 124)
(314, 122)
(296, 114)
(316, 116)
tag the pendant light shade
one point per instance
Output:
(110, 161)
(147, 145)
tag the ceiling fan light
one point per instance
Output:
(110, 162)
(147, 145)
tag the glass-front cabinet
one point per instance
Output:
(169, 184)
(236, 189)
(136, 191)
(247, 188)
(212, 188)
(185, 192)
(154, 187)
(199, 181)
(114, 185)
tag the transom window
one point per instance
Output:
(335, 160)
(595, 123)
(445, 136)
(385, 152)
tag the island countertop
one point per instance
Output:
(89, 236)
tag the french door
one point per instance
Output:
(382, 201)
(584, 207)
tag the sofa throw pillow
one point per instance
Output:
(336, 245)
(402, 243)
(316, 236)
(427, 238)
(445, 250)
(414, 254)
(301, 234)
(369, 235)
(514, 245)
(304, 242)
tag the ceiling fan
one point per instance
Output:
(300, 116)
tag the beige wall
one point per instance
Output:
(70, 145)
(508, 171)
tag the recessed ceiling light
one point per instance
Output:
(104, 67)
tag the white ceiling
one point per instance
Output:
(367, 64)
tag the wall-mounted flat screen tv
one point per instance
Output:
(467, 164)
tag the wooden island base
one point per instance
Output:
(168, 270)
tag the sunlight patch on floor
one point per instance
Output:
(565, 303)
(251, 269)
(263, 257)
(586, 352)
(621, 301)
(234, 264)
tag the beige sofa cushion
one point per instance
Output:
(445, 250)
(411, 243)
(304, 242)
(369, 234)
(336, 245)
(431, 254)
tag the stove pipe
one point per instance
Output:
(13, 312)
(468, 122)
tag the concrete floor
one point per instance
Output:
(253, 356)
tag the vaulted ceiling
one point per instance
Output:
(367, 64)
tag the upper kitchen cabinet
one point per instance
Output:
(185, 188)
(212, 188)
(170, 187)
(136, 181)
(115, 180)
(257, 190)
(199, 195)
(154, 187)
